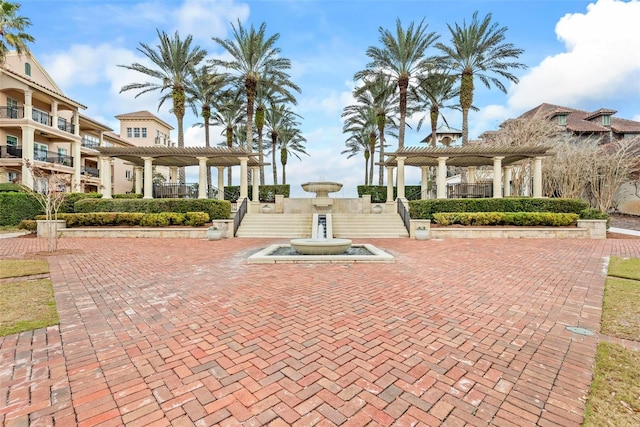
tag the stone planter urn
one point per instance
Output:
(421, 234)
(376, 209)
(266, 209)
(213, 233)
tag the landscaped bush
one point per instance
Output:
(28, 224)
(197, 219)
(71, 198)
(266, 193)
(10, 186)
(127, 196)
(379, 192)
(15, 206)
(425, 209)
(217, 209)
(194, 219)
(547, 219)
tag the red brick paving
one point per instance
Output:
(185, 332)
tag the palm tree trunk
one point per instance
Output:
(283, 160)
(259, 127)
(434, 124)
(381, 119)
(403, 83)
(274, 139)
(181, 174)
(206, 113)
(466, 100)
(229, 135)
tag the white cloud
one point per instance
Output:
(205, 19)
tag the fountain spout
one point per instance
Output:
(321, 235)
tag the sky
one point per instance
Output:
(579, 54)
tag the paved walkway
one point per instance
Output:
(185, 332)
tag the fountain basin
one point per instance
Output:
(322, 188)
(320, 246)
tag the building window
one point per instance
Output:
(129, 133)
(12, 177)
(27, 69)
(12, 108)
(12, 140)
(144, 132)
(127, 175)
(562, 120)
(606, 120)
(136, 132)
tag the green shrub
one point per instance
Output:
(197, 219)
(28, 224)
(71, 198)
(592, 213)
(217, 209)
(530, 219)
(15, 206)
(155, 220)
(266, 193)
(11, 187)
(127, 196)
(99, 218)
(379, 192)
(424, 209)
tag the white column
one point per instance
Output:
(497, 177)
(424, 181)
(471, 174)
(54, 114)
(507, 180)
(27, 154)
(28, 105)
(173, 174)
(148, 178)
(389, 184)
(76, 123)
(137, 176)
(400, 161)
(537, 177)
(77, 165)
(220, 182)
(255, 187)
(105, 176)
(202, 177)
(244, 185)
(441, 182)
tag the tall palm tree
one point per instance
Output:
(479, 50)
(256, 61)
(228, 114)
(278, 118)
(433, 95)
(403, 57)
(380, 95)
(358, 142)
(361, 119)
(203, 88)
(291, 143)
(12, 26)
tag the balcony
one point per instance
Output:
(51, 157)
(90, 143)
(41, 117)
(92, 172)
(11, 112)
(10, 151)
(66, 126)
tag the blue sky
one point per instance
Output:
(579, 54)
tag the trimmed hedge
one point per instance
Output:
(379, 192)
(10, 186)
(28, 224)
(164, 219)
(14, 207)
(548, 219)
(217, 209)
(71, 199)
(266, 193)
(424, 209)
(127, 196)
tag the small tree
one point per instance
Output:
(50, 191)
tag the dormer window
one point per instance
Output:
(606, 120)
(562, 120)
(27, 69)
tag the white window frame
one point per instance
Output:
(129, 132)
(136, 132)
(13, 143)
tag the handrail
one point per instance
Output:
(404, 214)
(240, 213)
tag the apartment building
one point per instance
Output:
(38, 123)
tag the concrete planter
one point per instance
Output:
(47, 228)
(421, 234)
(214, 234)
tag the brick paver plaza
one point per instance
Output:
(186, 332)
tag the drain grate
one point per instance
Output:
(581, 331)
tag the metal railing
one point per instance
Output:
(66, 126)
(466, 190)
(52, 157)
(11, 112)
(89, 143)
(240, 213)
(404, 214)
(7, 151)
(89, 171)
(41, 117)
(175, 191)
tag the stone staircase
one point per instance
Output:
(344, 226)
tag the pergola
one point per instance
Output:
(469, 156)
(144, 158)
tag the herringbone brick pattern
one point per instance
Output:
(185, 332)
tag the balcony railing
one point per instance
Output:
(51, 157)
(11, 112)
(171, 190)
(90, 143)
(66, 126)
(89, 171)
(41, 117)
(10, 151)
(465, 190)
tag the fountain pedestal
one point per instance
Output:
(322, 202)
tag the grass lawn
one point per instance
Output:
(25, 304)
(614, 399)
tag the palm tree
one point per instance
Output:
(12, 28)
(478, 49)
(433, 95)
(173, 58)
(203, 88)
(278, 118)
(291, 143)
(361, 120)
(380, 95)
(228, 114)
(402, 57)
(358, 142)
(256, 61)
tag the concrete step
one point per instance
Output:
(276, 225)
